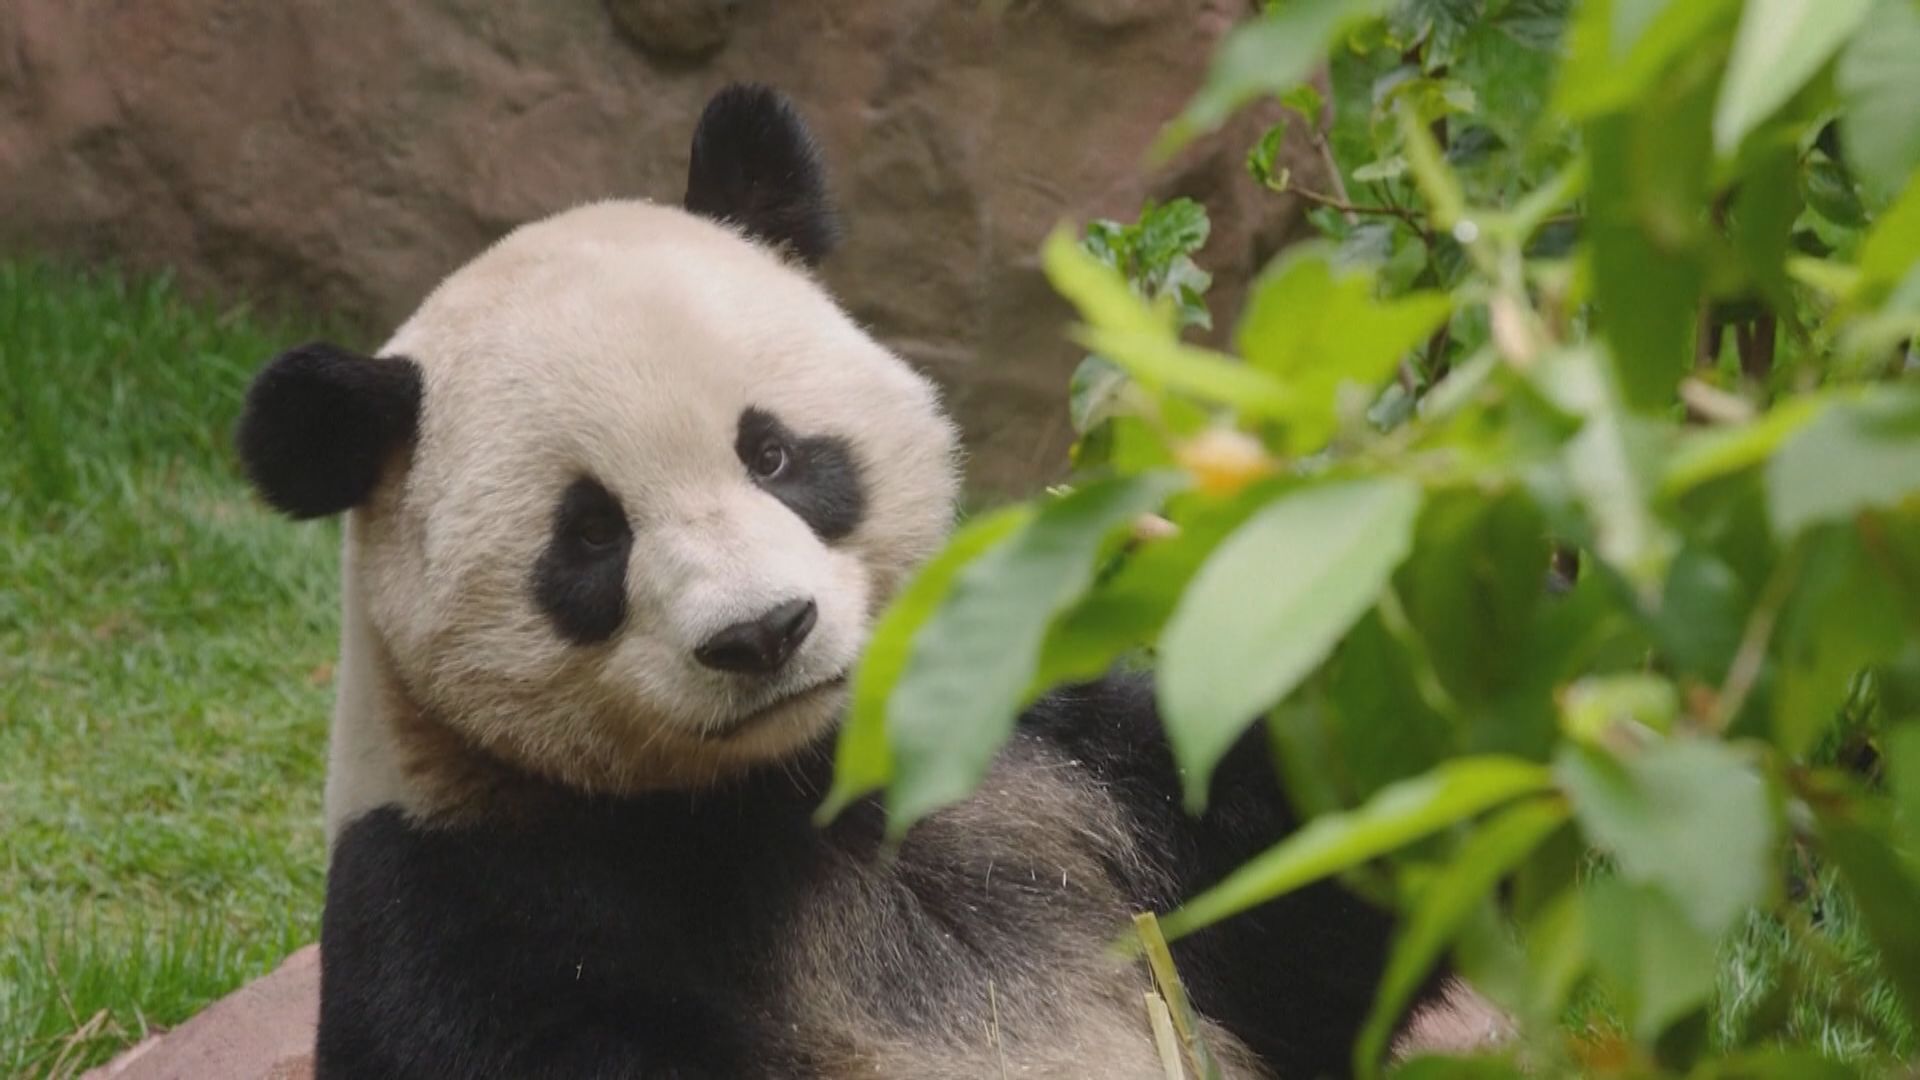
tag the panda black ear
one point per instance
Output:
(755, 165)
(319, 424)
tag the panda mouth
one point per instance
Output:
(733, 729)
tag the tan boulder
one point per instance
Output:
(262, 1031)
(341, 155)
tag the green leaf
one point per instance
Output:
(1477, 561)
(1141, 341)
(1186, 285)
(1703, 614)
(1536, 24)
(1426, 100)
(1093, 392)
(1903, 768)
(1879, 82)
(1779, 46)
(1375, 673)
(1646, 200)
(1156, 361)
(1619, 48)
(1592, 629)
(1317, 331)
(1269, 605)
(863, 761)
(1689, 817)
(1764, 209)
(1391, 167)
(1436, 1067)
(1460, 386)
(1612, 464)
(1127, 444)
(1532, 211)
(1886, 894)
(1438, 26)
(1707, 455)
(1776, 1064)
(1836, 280)
(1596, 705)
(971, 665)
(1556, 951)
(1267, 55)
(1446, 204)
(1110, 242)
(1305, 757)
(1831, 192)
(1841, 617)
(1856, 455)
(1395, 817)
(1443, 907)
(1656, 958)
(1174, 228)
(1098, 289)
(1306, 100)
(1153, 258)
(1127, 611)
(1891, 252)
(1263, 160)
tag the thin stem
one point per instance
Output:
(1353, 210)
(1426, 678)
(1166, 977)
(1333, 176)
(1745, 669)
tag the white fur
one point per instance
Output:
(621, 341)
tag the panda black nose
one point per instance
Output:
(759, 646)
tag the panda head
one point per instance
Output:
(627, 490)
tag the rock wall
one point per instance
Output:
(342, 155)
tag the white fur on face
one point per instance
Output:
(621, 342)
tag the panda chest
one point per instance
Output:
(983, 905)
(746, 930)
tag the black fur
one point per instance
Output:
(638, 937)
(755, 165)
(320, 423)
(821, 482)
(1294, 978)
(580, 578)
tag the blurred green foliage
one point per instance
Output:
(1558, 514)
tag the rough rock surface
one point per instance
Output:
(683, 28)
(343, 154)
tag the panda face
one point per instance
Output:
(659, 488)
(627, 492)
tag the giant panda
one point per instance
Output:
(623, 498)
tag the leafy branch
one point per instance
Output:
(1558, 609)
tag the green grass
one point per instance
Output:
(1810, 978)
(165, 647)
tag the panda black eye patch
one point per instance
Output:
(580, 578)
(817, 476)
